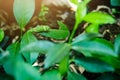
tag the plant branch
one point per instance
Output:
(73, 32)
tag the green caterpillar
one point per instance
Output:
(40, 28)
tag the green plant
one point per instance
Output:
(44, 10)
(24, 13)
(115, 2)
(96, 54)
(1, 35)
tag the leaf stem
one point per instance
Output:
(73, 32)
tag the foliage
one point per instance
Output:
(23, 11)
(44, 10)
(96, 55)
(115, 2)
(60, 33)
(1, 35)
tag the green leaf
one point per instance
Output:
(74, 76)
(56, 54)
(105, 42)
(41, 46)
(81, 12)
(51, 75)
(85, 36)
(9, 65)
(62, 26)
(117, 45)
(61, 33)
(115, 2)
(106, 57)
(94, 48)
(86, 1)
(99, 18)
(1, 35)
(13, 48)
(4, 56)
(74, 1)
(23, 11)
(30, 73)
(27, 39)
(64, 65)
(92, 28)
(94, 65)
(115, 62)
(56, 34)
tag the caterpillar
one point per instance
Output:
(40, 28)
